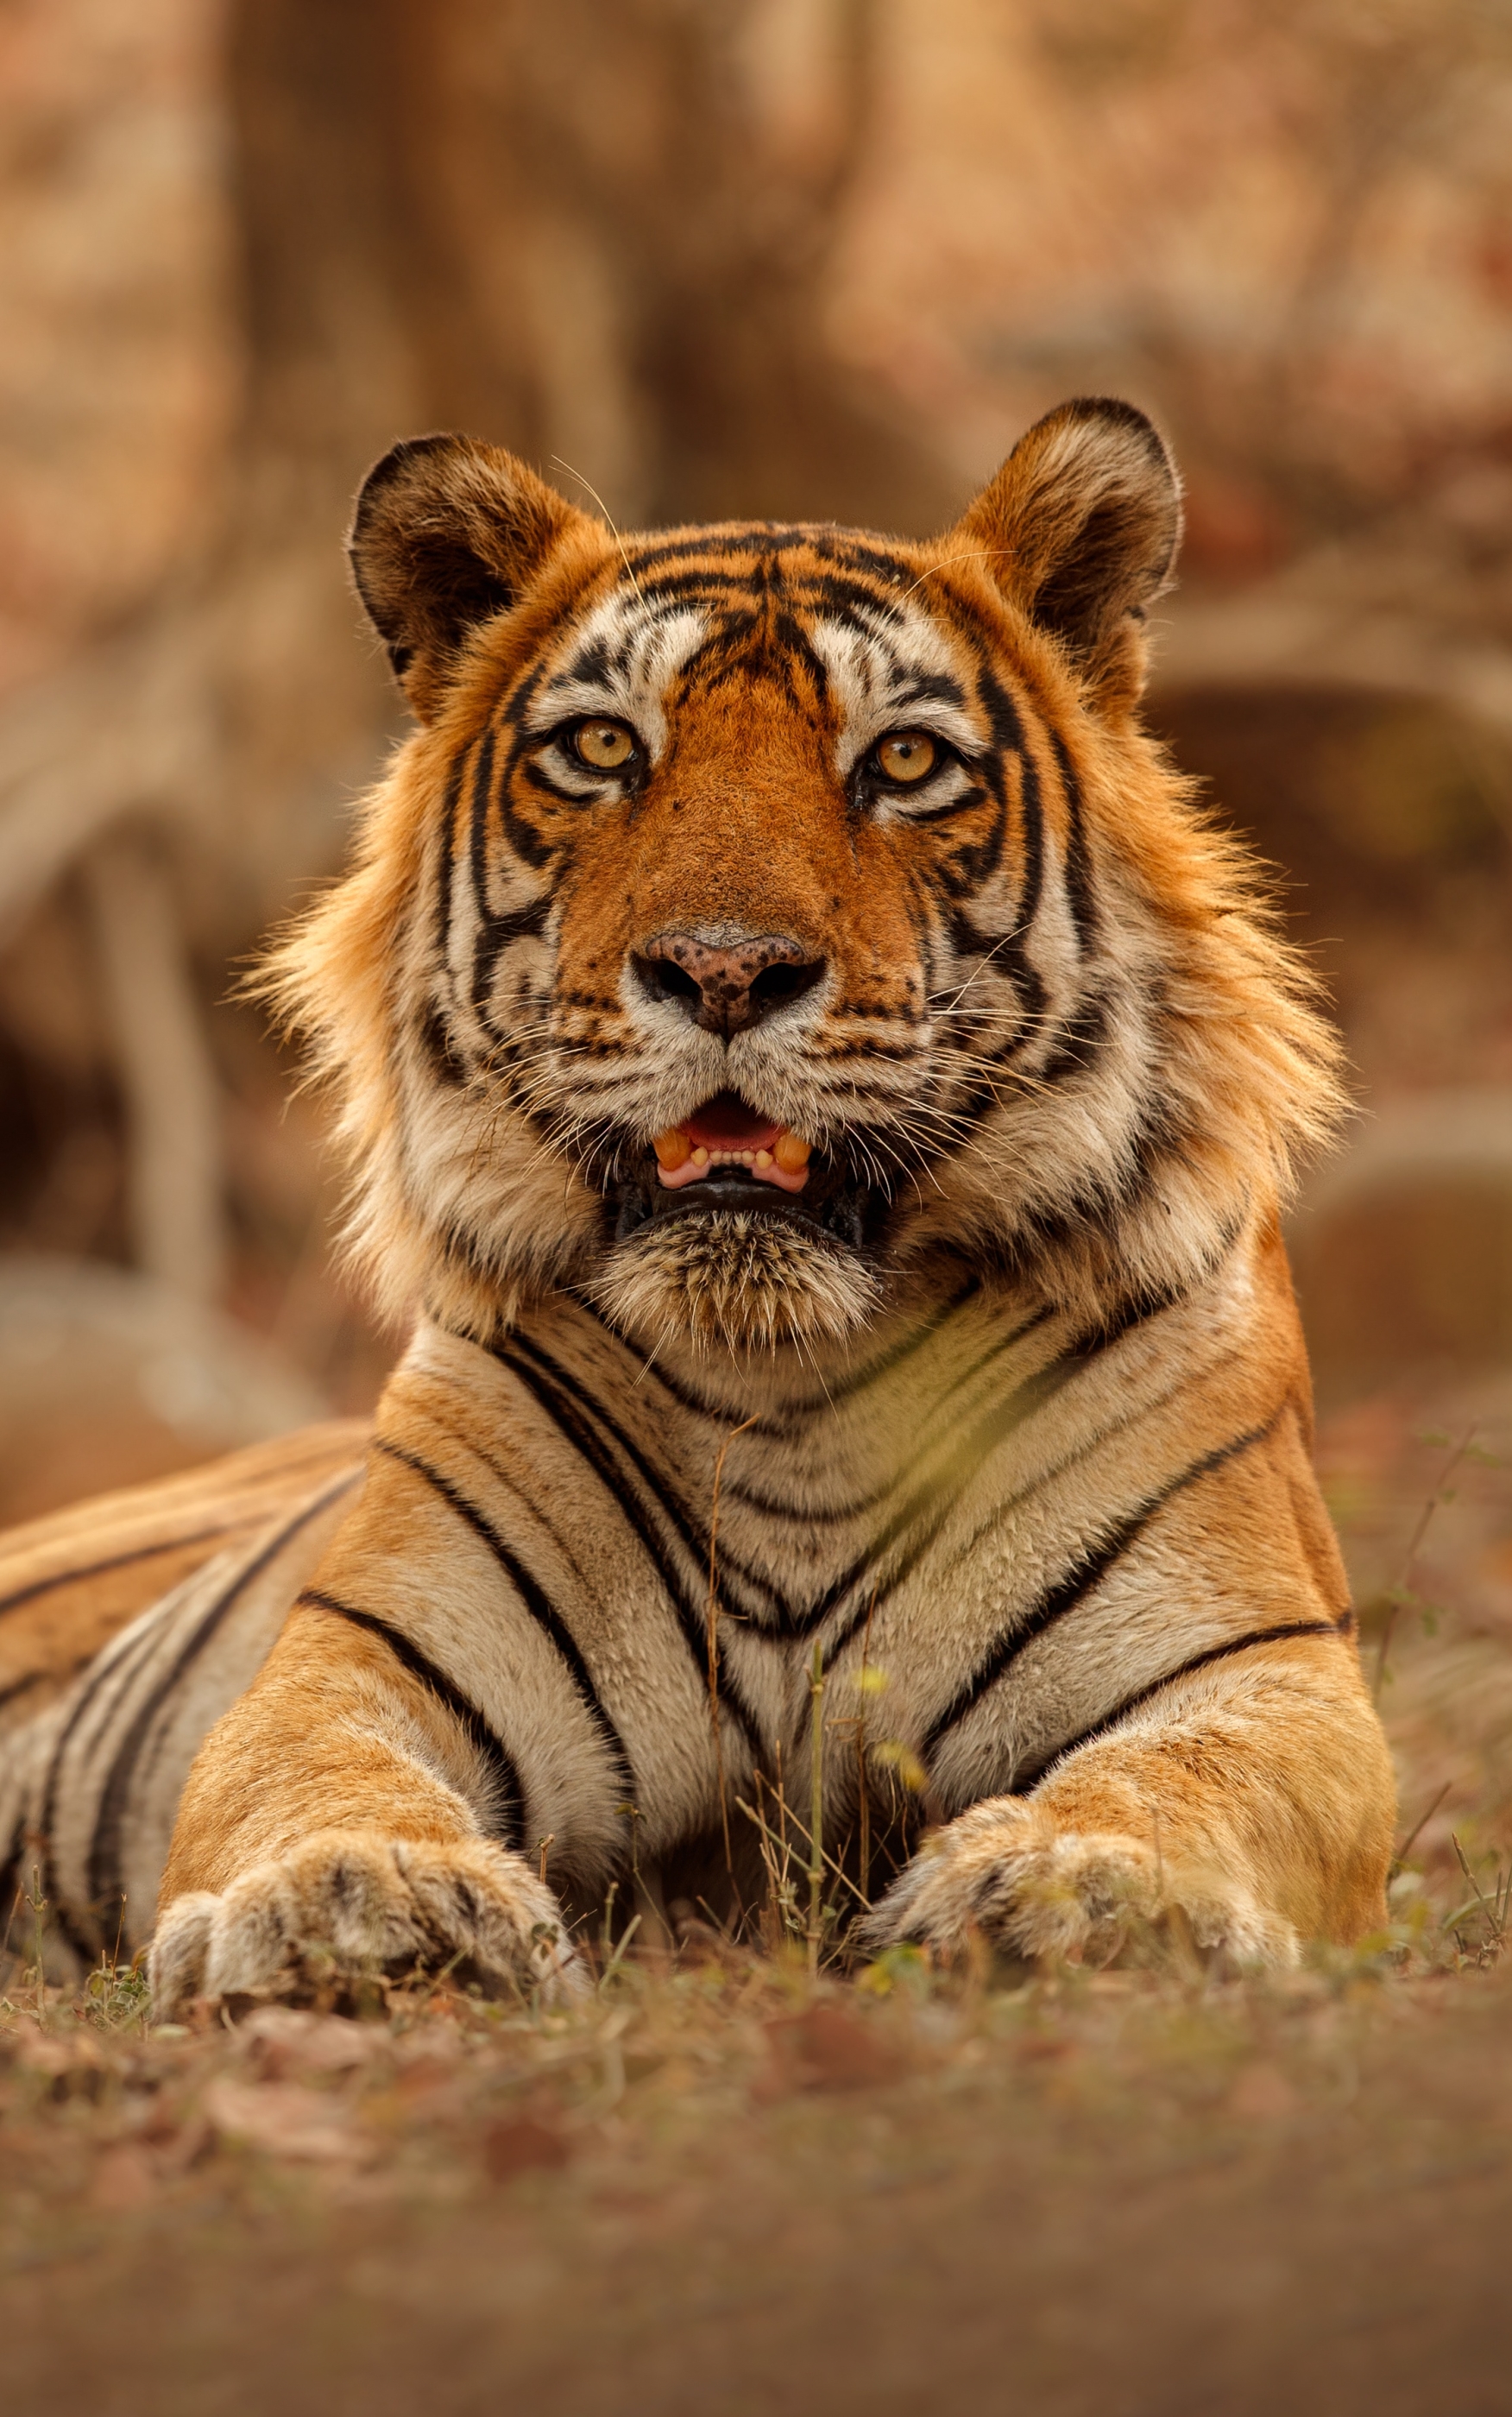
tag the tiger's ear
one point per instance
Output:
(1081, 526)
(447, 533)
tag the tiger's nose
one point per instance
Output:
(725, 990)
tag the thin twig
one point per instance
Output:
(777, 1878)
(816, 1802)
(1493, 1915)
(618, 1958)
(1415, 1547)
(864, 1791)
(840, 1873)
(1418, 1827)
(38, 1903)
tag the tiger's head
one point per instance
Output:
(762, 916)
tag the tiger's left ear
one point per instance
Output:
(1080, 528)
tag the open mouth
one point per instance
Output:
(728, 1156)
(726, 1132)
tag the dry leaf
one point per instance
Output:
(286, 2040)
(516, 2144)
(285, 2121)
(826, 2048)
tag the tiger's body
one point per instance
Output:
(819, 1075)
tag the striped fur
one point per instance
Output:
(111, 1683)
(68, 1581)
(1008, 1409)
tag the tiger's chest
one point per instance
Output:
(719, 1584)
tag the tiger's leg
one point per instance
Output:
(1256, 1795)
(344, 1806)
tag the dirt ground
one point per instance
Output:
(723, 2190)
(726, 2186)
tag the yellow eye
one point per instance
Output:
(908, 755)
(605, 745)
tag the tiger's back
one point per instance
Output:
(227, 1545)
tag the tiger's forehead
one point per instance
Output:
(848, 633)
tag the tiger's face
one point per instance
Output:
(761, 910)
(759, 821)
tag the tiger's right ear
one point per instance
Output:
(447, 533)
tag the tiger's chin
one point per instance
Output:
(742, 1279)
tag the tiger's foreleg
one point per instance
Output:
(332, 1821)
(1256, 1799)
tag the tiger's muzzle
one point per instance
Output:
(725, 990)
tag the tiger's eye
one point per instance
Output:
(908, 755)
(605, 745)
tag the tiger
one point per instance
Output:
(824, 1088)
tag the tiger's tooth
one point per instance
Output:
(674, 1148)
(790, 1152)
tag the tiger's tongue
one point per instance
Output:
(727, 1123)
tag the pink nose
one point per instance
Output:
(725, 990)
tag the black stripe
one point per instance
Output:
(10, 1880)
(753, 1596)
(499, 933)
(541, 1610)
(926, 1437)
(1069, 1053)
(989, 1431)
(1024, 1780)
(486, 1741)
(1079, 890)
(39, 1679)
(1080, 1580)
(488, 941)
(792, 1417)
(971, 1455)
(983, 1438)
(117, 1562)
(1023, 1403)
(103, 1873)
(121, 1669)
(435, 1032)
(694, 1537)
(689, 1617)
(752, 543)
(478, 813)
(446, 864)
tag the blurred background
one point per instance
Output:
(787, 257)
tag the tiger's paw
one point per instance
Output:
(357, 1903)
(1006, 1871)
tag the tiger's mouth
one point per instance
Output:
(726, 1132)
(727, 1156)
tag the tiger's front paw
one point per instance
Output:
(1005, 1871)
(366, 1905)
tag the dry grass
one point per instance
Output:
(1420, 1485)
